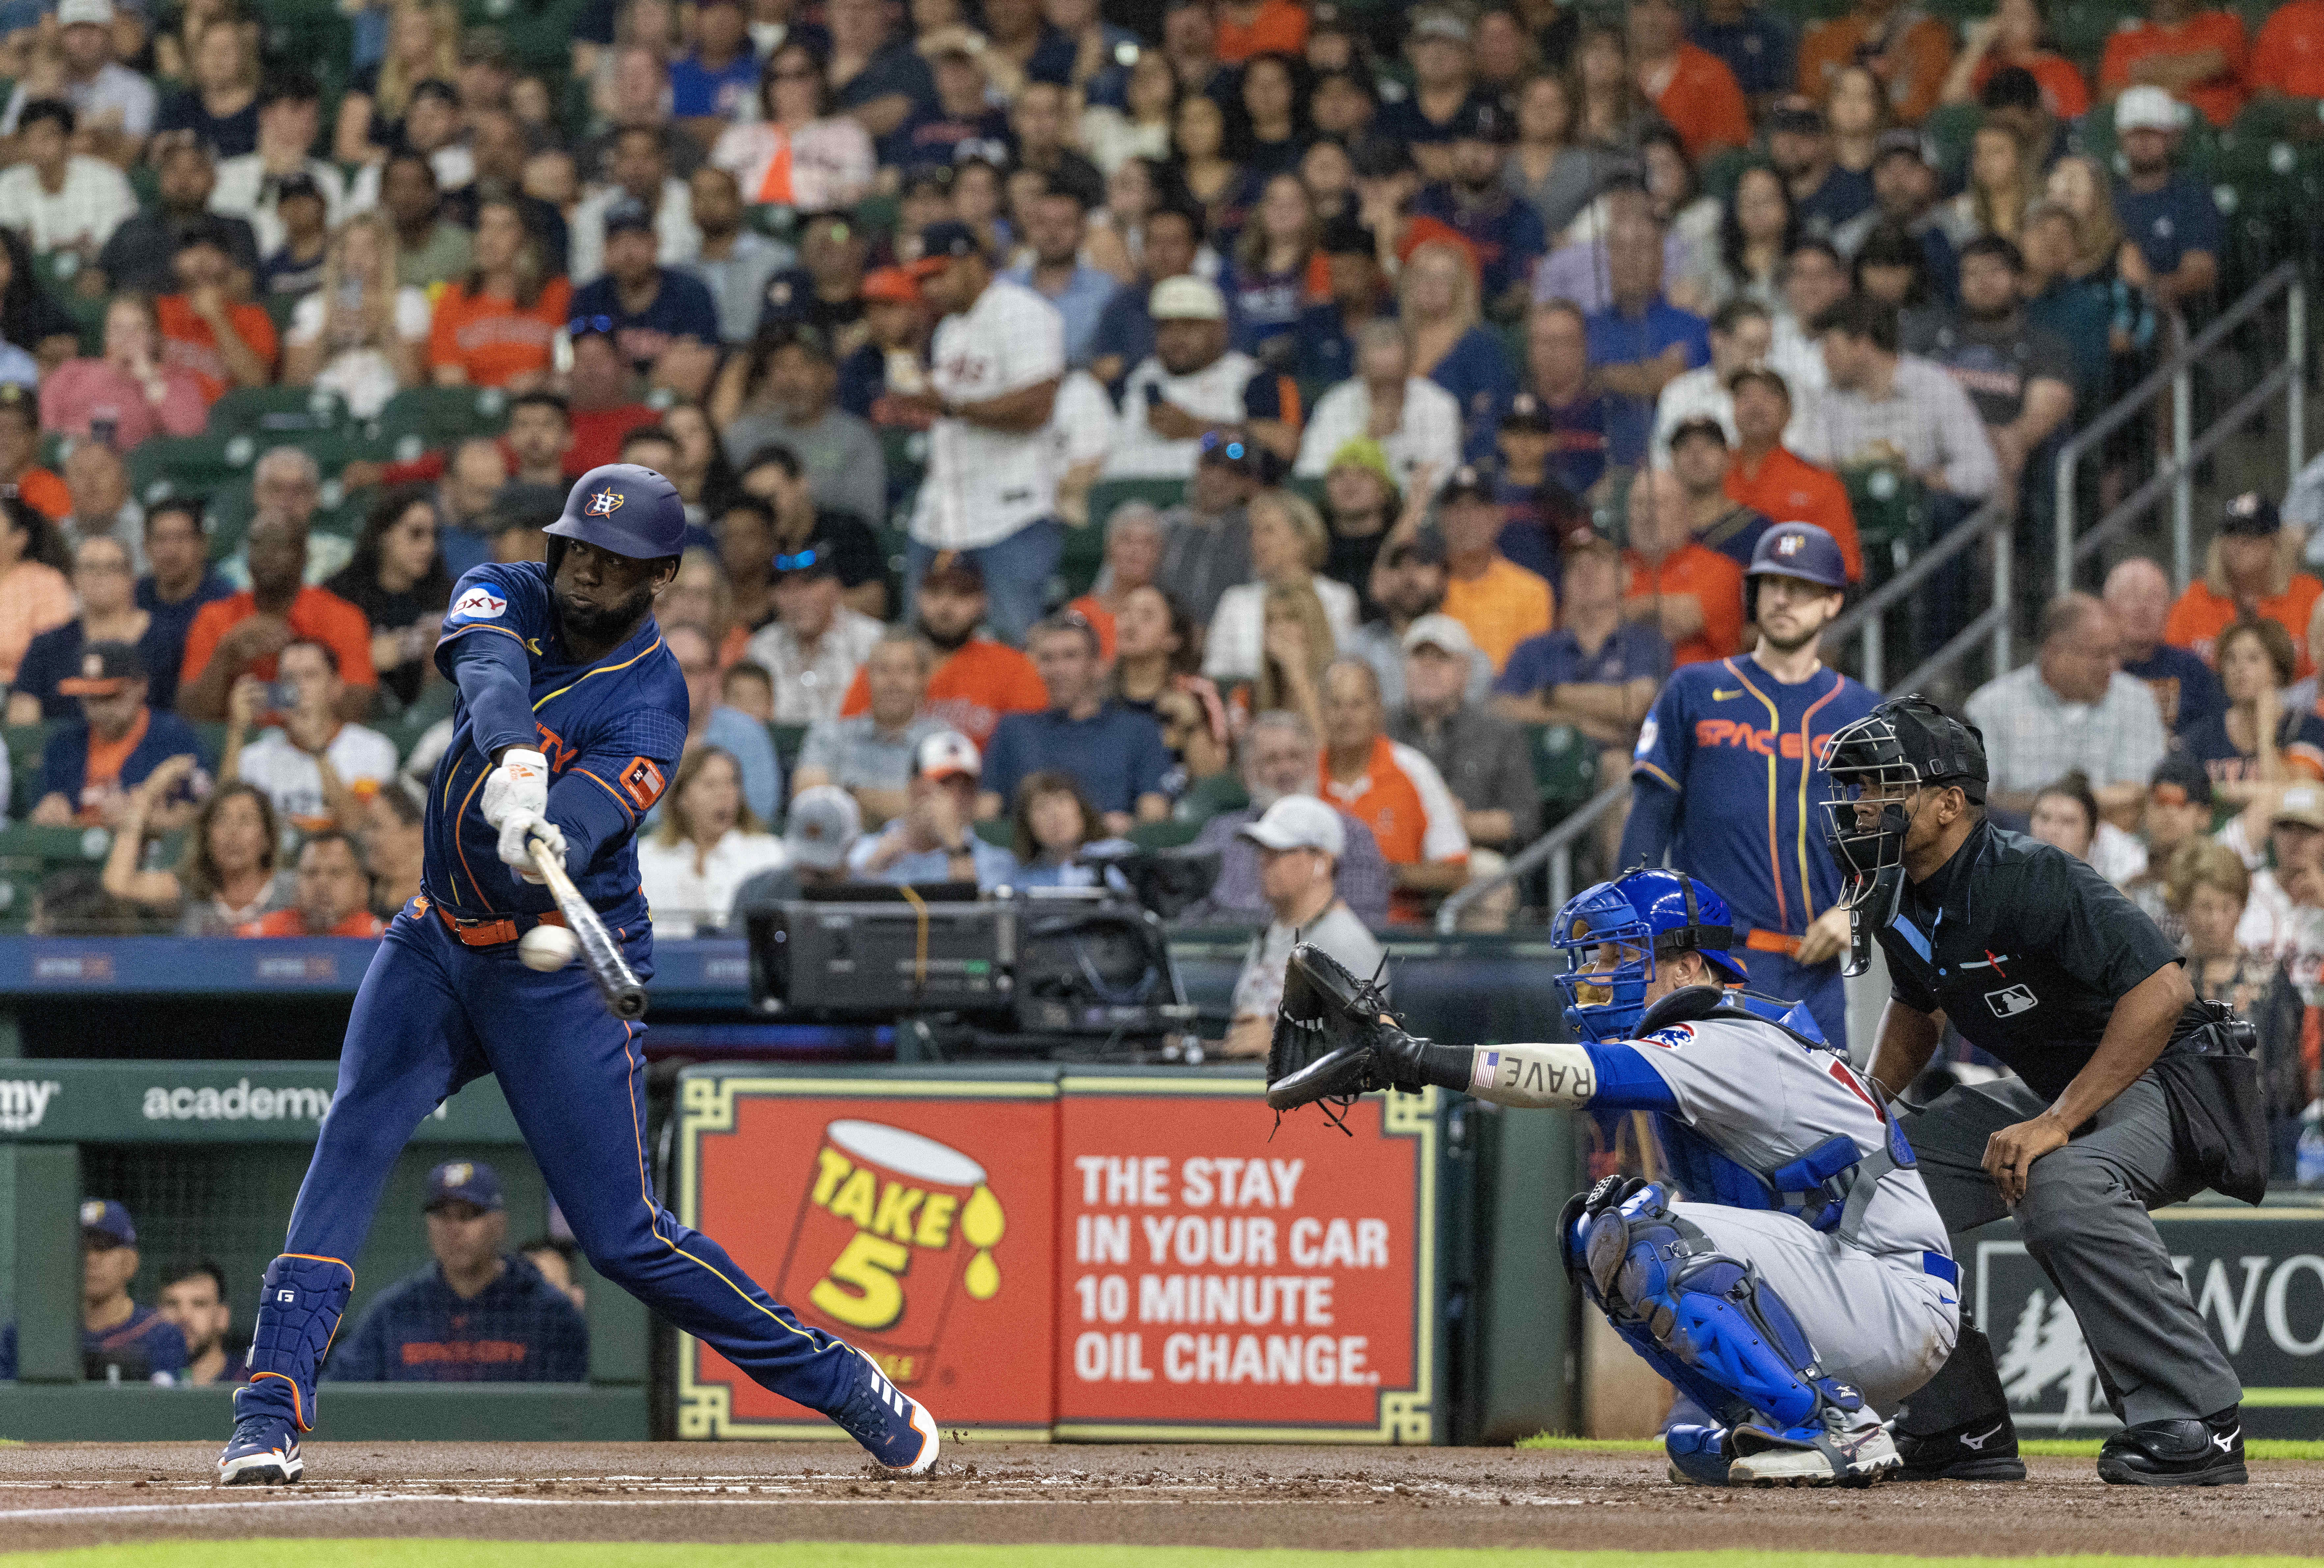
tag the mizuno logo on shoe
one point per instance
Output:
(1977, 1444)
(2226, 1443)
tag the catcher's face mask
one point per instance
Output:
(1609, 961)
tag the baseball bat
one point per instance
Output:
(624, 997)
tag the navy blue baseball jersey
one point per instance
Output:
(612, 732)
(145, 1347)
(520, 1328)
(1742, 751)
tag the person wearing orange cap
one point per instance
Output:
(896, 317)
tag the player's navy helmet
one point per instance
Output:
(624, 509)
(1612, 933)
(1876, 762)
(1798, 550)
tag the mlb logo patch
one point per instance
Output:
(604, 503)
(2011, 1001)
(481, 604)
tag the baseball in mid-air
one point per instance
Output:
(547, 947)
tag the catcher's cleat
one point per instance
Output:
(1699, 1455)
(893, 1427)
(1985, 1449)
(2184, 1453)
(1825, 1451)
(263, 1452)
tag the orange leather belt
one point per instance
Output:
(486, 933)
(1772, 942)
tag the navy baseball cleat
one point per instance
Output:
(2186, 1453)
(1985, 1449)
(263, 1452)
(893, 1427)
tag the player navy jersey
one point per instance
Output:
(1742, 751)
(612, 732)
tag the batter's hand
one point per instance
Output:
(521, 783)
(1825, 938)
(517, 833)
(2010, 1153)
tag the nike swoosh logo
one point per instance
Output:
(1719, 695)
(2227, 1445)
(1977, 1444)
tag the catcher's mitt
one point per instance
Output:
(1332, 1040)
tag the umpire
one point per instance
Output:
(2129, 1094)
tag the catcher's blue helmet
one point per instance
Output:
(624, 509)
(1637, 915)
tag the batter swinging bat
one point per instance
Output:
(625, 998)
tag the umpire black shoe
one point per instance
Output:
(2181, 1453)
(1982, 1449)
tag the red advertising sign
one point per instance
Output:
(1215, 1283)
(915, 1218)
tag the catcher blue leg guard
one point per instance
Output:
(1713, 1314)
(299, 1305)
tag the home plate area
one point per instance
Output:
(62, 1495)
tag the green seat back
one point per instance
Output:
(1887, 506)
(1167, 834)
(25, 742)
(277, 413)
(54, 847)
(999, 832)
(789, 740)
(200, 466)
(1564, 764)
(441, 415)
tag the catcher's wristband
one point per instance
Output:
(1446, 1067)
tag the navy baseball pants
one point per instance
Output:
(1818, 985)
(433, 1015)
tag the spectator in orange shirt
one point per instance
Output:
(2198, 57)
(20, 452)
(1690, 86)
(1500, 602)
(238, 636)
(2287, 59)
(1392, 789)
(2249, 571)
(333, 894)
(496, 325)
(2011, 36)
(1767, 476)
(976, 680)
(1689, 592)
(1907, 49)
(1249, 27)
(34, 595)
(204, 332)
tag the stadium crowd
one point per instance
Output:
(1097, 424)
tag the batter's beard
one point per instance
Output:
(608, 624)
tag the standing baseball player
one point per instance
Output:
(571, 716)
(2129, 1094)
(1727, 776)
(1802, 1283)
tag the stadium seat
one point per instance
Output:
(998, 833)
(24, 742)
(278, 413)
(1171, 834)
(169, 466)
(1565, 766)
(54, 847)
(1084, 550)
(788, 739)
(1890, 520)
(440, 415)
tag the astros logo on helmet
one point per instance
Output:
(1789, 545)
(604, 503)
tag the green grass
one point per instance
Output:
(2040, 1447)
(374, 1553)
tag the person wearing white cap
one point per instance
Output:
(935, 841)
(1300, 841)
(1482, 758)
(116, 104)
(1194, 385)
(2169, 220)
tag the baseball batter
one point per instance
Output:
(1803, 1283)
(570, 719)
(1727, 775)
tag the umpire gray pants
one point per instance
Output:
(2084, 1220)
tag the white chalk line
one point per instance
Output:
(373, 1499)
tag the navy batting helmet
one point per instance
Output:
(626, 510)
(1801, 551)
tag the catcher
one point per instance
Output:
(1803, 1281)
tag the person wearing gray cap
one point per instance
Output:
(1482, 758)
(1300, 841)
(821, 828)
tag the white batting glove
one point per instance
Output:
(521, 783)
(517, 830)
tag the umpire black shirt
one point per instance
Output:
(2025, 950)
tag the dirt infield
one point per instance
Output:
(80, 1494)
